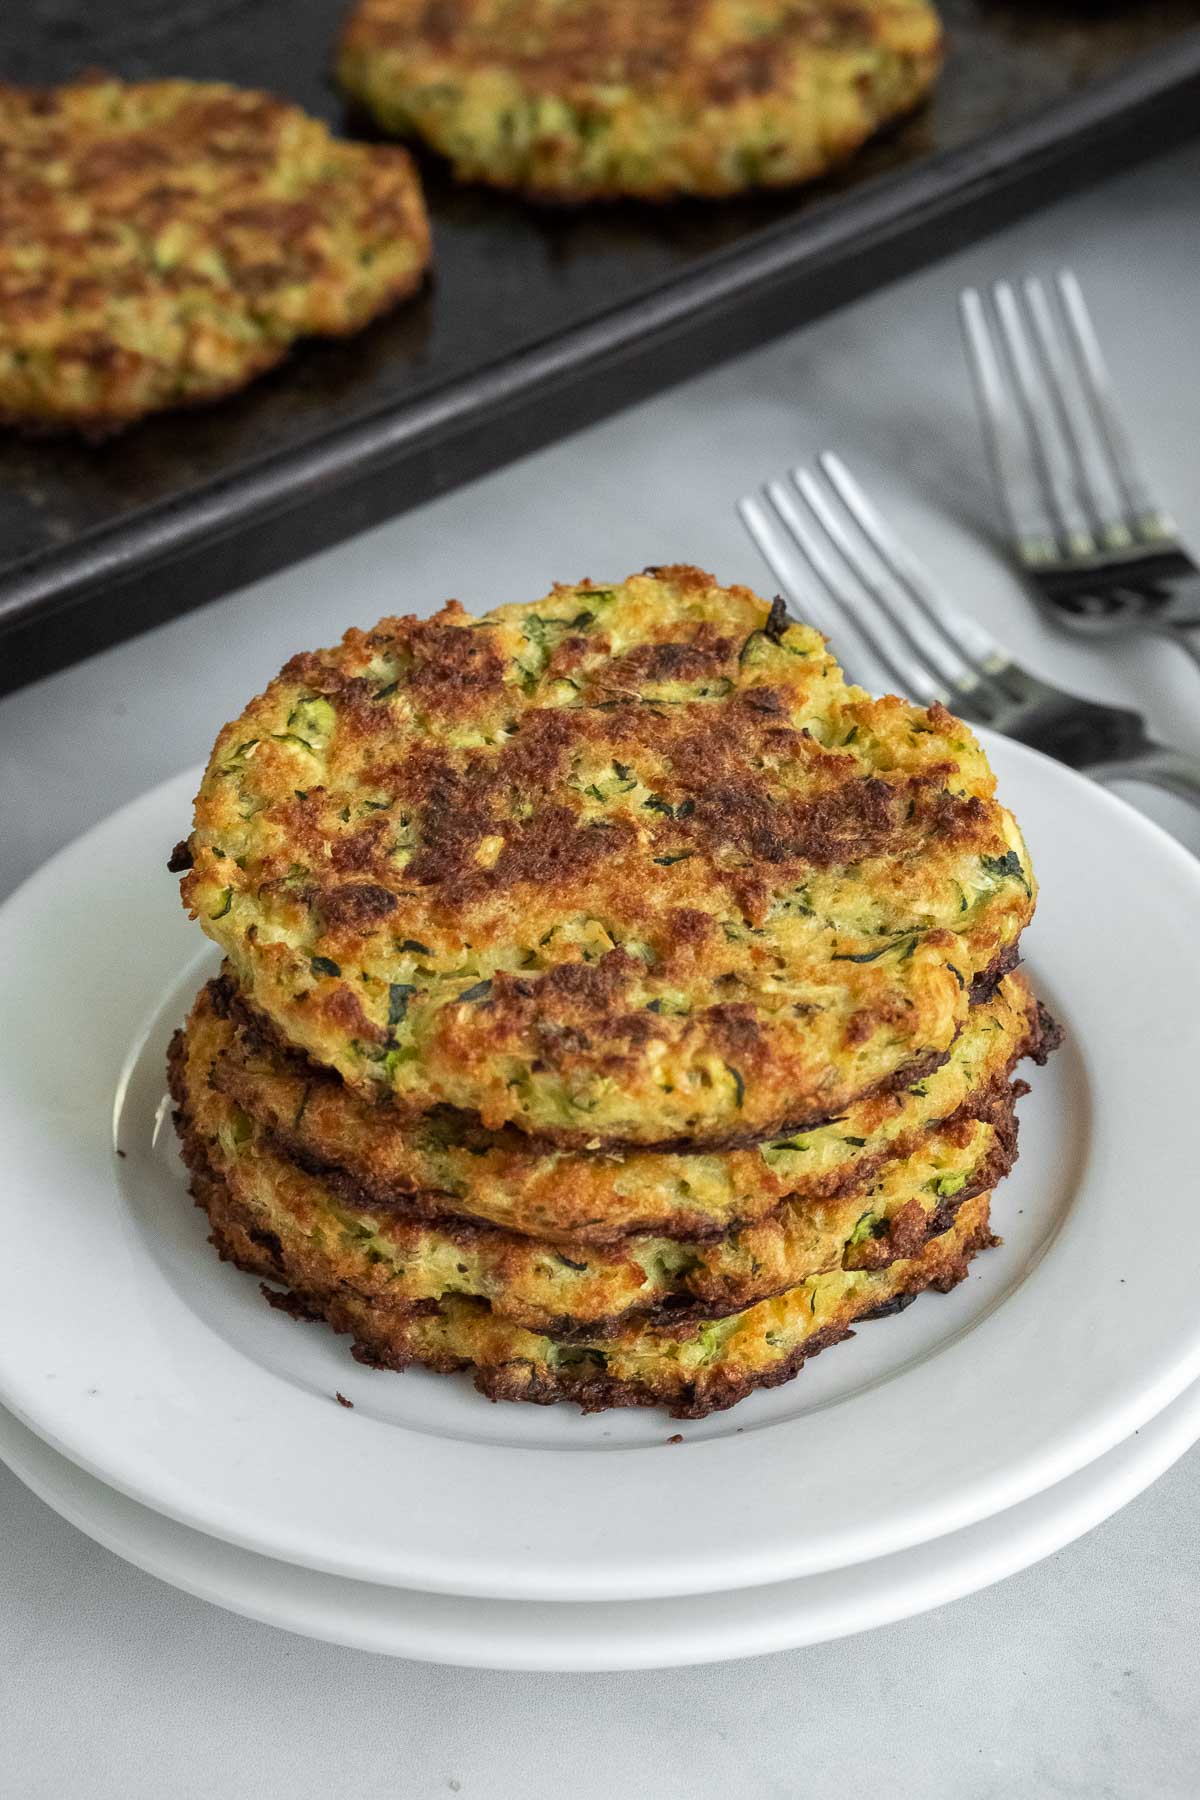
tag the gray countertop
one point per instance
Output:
(1076, 1678)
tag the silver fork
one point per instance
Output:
(872, 594)
(1097, 546)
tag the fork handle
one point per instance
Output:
(1174, 770)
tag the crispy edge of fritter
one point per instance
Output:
(390, 1340)
(983, 987)
(96, 428)
(355, 1186)
(510, 1275)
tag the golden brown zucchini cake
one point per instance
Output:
(692, 1369)
(164, 242)
(571, 101)
(336, 1238)
(445, 1166)
(632, 865)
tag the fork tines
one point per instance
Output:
(842, 567)
(1061, 456)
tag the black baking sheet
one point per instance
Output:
(537, 321)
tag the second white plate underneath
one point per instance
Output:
(631, 1634)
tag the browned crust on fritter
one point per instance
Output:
(982, 989)
(989, 979)
(703, 1292)
(904, 1236)
(531, 1143)
(1048, 1038)
(164, 243)
(599, 1393)
(379, 1339)
(432, 1208)
(359, 1186)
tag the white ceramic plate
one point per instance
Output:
(128, 1348)
(630, 1634)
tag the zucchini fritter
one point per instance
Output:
(164, 242)
(580, 101)
(631, 865)
(333, 1238)
(691, 1369)
(446, 1167)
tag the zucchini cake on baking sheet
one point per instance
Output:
(162, 243)
(573, 102)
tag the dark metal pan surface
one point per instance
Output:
(538, 321)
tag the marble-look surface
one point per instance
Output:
(1076, 1678)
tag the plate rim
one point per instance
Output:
(1003, 1545)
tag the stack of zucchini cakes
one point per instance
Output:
(617, 1003)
